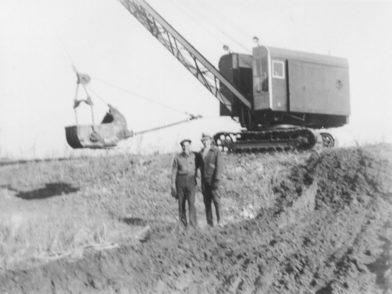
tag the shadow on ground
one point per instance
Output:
(50, 190)
(141, 222)
(134, 221)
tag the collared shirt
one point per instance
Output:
(184, 164)
(204, 152)
(211, 167)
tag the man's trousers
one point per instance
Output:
(186, 188)
(211, 194)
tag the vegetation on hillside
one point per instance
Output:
(58, 207)
(294, 223)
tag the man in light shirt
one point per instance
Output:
(183, 182)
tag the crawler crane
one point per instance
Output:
(283, 99)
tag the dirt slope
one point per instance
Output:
(328, 230)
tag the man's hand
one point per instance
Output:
(174, 192)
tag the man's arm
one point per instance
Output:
(173, 176)
(174, 171)
(198, 163)
(198, 160)
(218, 166)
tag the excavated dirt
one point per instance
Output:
(329, 231)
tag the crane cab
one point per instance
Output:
(288, 87)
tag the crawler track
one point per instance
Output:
(274, 139)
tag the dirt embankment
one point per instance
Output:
(329, 231)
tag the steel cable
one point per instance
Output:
(141, 97)
(197, 22)
(206, 19)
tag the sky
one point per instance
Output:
(40, 41)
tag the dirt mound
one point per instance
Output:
(329, 231)
(341, 176)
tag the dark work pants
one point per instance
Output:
(211, 195)
(186, 188)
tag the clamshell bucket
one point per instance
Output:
(107, 134)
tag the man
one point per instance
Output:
(211, 171)
(183, 182)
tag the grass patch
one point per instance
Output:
(88, 200)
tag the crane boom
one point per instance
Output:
(177, 45)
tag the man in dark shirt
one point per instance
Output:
(183, 182)
(211, 171)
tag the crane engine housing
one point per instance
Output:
(287, 87)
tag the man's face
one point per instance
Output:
(206, 142)
(186, 147)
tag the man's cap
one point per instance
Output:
(205, 136)
(185, 140)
